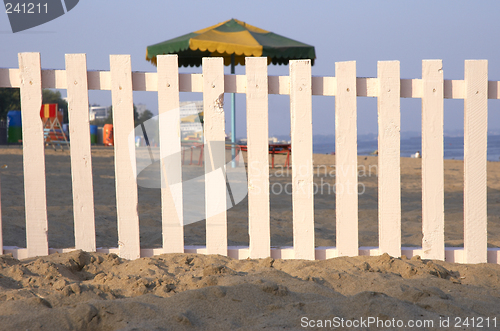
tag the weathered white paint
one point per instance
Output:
(475, 147)
(33, 155)
(125, 166)
(215, 178)
(258, 165)
(170, 154)
(346, 159)
(432, 160)
(389, 179)
(302, 159)
(81, 158)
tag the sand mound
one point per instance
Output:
(91, 291)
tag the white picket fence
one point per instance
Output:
(388, 87)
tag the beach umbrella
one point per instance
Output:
(233, 40)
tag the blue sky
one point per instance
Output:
(364, 31)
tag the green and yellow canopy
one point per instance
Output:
(231, 37)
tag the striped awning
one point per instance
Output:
(228, 38)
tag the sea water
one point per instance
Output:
(453, 147)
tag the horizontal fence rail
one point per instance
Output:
(387, 87)
(326, 86)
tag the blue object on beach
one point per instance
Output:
(14, 126)
(93, 134)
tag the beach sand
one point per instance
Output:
(91, 291)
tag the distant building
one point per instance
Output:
(97, 112)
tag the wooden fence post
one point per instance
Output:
(215, 150)
(81, 157)
(33, 155)
(258, 158)
(170, 154)
(346, 160)
(432, 160)
(302, 159)
(125, 161)
(389, 158)
(475, 161)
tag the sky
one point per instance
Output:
(361, 31)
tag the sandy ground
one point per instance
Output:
(82, 291)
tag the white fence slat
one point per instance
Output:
(346, 159)
(214, 153)
(389, 178)
(475, 165)
(258, 159)
(81, 157)
(432, 160)
(33, 155)
(302, 159)
(125, 164)
(170, 154)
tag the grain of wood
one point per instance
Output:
(475, 161)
